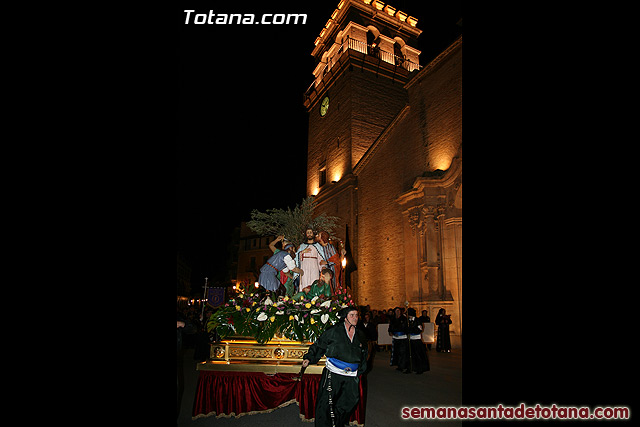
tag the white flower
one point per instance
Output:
(314, 311)
(324, 318)
(325, 304)
(295, 316)
(279, 312)
(268, 301)
(262, 317)
(314, 299)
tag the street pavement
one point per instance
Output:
(388, 391)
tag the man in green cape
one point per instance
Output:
(319, 287)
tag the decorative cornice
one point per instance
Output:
(445, 180)
(376, 8)
(421, 183)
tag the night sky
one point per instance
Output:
(242, 127)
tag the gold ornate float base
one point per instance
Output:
(246, 355)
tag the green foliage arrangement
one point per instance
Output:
(291, 223)
(258, 316)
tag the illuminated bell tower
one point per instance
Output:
(364, 56)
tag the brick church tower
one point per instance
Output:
(364, 57)
(384, 145)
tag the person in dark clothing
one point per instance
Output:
(202, 348)
(397, 330)
(184, 327)
(370, 330)
(416, 355)
(425, 319)
(368, 327)
(443, 341)
(346, 349)
(390, 314)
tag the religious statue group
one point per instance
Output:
(313, 269)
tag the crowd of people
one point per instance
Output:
(194, 334)
(408, 351)
(375, 317)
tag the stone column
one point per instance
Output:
(443, 291)
(452, 265)
(429, 265)
(412, 253)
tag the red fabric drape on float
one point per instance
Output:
(237, 393)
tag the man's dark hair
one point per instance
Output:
(327, 270)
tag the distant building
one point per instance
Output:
(183, 274)
(385, 155)
(253, 252)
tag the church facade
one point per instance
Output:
(385, 155)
